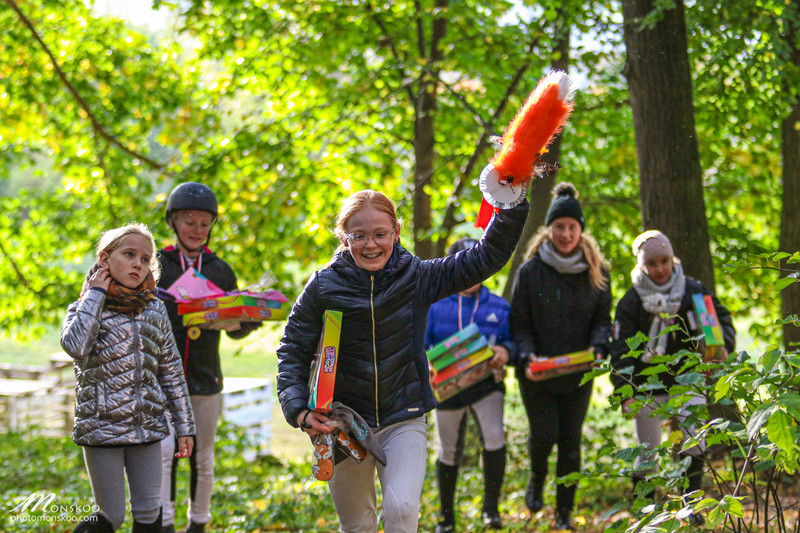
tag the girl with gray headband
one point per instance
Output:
(660, 297)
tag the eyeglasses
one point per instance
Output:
(359, 240)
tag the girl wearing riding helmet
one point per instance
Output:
(191, 213)
(384, 294)
(561, 304)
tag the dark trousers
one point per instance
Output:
(555, 417)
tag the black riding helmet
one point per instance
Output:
(192, 196)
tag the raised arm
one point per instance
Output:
(455, 273)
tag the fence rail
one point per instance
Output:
(42, 398)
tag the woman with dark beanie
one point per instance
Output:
(561, 304)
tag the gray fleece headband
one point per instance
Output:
(651, 243)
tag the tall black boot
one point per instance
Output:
(494, 468)
(446, 476)
(534, 493)
(695, 474)
(152, 527)
(96, 523)
(650, 495)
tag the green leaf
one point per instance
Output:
(769, 359)
(781, 431)
(651, 370)
(791, 402)
(759, 418)
(636, 340)
(691, 378)
(785, 282)
(721, 388)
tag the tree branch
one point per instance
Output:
(420, 29)
(449, 218)
(390, 42)
(20, 277)
(475, 113)
(78, 98)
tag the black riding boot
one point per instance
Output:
(494, 468)
(650, 495)
(695, 475)
(446, 476)
(96, 523)
(152, 527)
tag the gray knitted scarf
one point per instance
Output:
(573, 264)
(658, 299)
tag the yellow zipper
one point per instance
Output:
(374, 349)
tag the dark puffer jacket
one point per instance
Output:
(631, 318)
(555, 314)
(382, 370)
(200, 356)
(127, 372)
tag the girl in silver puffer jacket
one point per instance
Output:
(129, 375)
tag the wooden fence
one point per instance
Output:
(42, 399)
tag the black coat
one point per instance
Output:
(554, 314)
(382, 370)
(200, 356)
(631, 318)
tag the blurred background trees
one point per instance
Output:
(686, 119)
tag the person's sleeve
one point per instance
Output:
(297, 350)
(173, 382)
(82, 324)
(505, 339)
(521, 315)
(429, 331)
(601, 320)
(440, 278)
(626, 327)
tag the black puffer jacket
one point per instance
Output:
(382, 370)
(200, 356)
(555, 314)
(631, 318)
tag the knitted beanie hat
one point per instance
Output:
(651, 243)
(565, 204)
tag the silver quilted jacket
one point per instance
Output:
(128, 374)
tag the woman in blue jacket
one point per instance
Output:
(384, 294)
(484, 399)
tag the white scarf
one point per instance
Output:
(658, 299)
(573, 264)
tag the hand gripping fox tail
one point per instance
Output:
(507, 176)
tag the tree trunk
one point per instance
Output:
(670, 177)
(790, 211)
(424, 134)
(540, 189)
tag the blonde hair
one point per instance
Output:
(591, 252)
(112, 240)
(358, 201)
